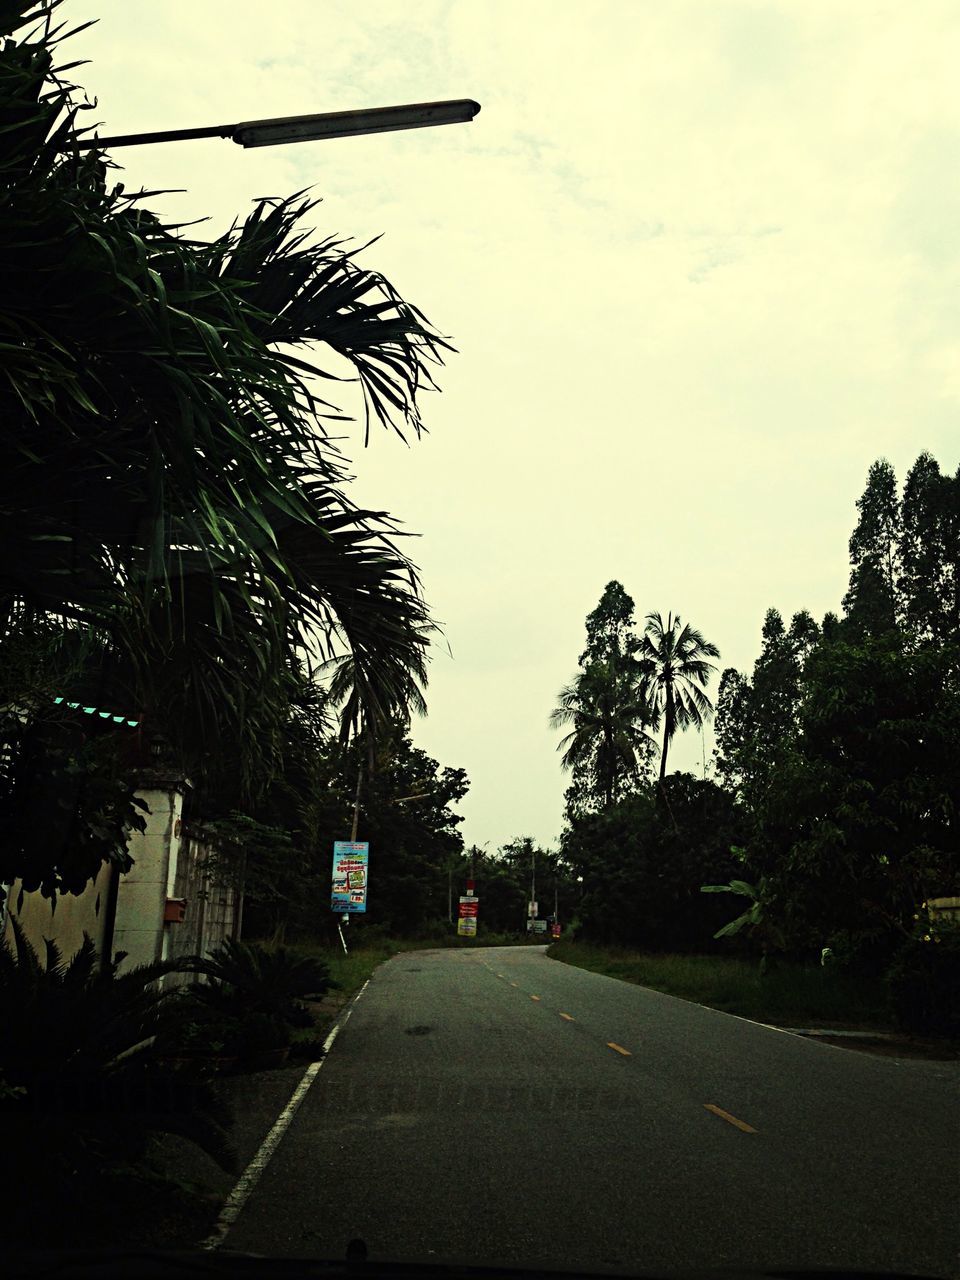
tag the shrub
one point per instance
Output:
(368, 935)
(247, 978)
(924, 979)
(80, 1094)
(259, 1032)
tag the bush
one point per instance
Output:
(81, 1096)
(924, 979)
(361, 934)
(868, 952)
(247, 978)
(258, 1033)
(435, 930)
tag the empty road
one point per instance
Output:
(495, 1105)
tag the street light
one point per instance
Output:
(328, 124)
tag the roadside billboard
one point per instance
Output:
(348, 890)
(467, 913)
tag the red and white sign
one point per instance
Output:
(468, 906)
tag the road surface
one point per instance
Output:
(495, 1105)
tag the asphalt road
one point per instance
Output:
(498, 1106)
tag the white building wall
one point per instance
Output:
(139, 927)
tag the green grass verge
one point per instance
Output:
(789, 995)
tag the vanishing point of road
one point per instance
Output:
(493, 1105)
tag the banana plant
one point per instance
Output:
(754, 920)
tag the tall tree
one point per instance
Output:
(859, 823)
(608, 749)
(673, 658)
(776, 679)
(169, 480)
(735, 733)
(756, 720)
(929, 550)
(842, 745)
(167, 471)
(608, 714)
(803, 636)
(641, 864)
(610, 632)
(871, 601)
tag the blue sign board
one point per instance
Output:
(349, 886)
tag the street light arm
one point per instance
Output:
(164, 135)
(311, 128)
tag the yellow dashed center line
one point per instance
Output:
(499, 975)
(534, 997)
(618, 1048)
(725, 1115)
(567, 1017)
(514, 984)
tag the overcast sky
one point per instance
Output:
(700, 262)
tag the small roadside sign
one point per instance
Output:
(467, 913)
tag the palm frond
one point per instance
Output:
(167, 473)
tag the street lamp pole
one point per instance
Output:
(309, 128)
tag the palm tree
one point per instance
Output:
(609, 714)
(168, 475)
(171, 489)
(675, 672)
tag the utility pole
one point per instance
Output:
(345, 918)
(356, 805)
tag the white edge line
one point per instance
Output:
(798, 1034)
(784, 1031)
(251, 1175)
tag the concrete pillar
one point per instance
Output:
(139, 927)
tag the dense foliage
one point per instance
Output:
(173, 505)
(626, 686)
(833, 820)
(280, 850)
(841, 747)
(642, 862)
(638, 845)
(506, 878)
(80, 1094)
